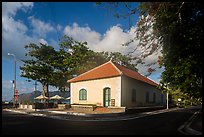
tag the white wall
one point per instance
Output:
(128, 84)
(95, 90)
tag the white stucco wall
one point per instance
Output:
(95, 90)
(128, 84)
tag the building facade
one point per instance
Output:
(113, 85)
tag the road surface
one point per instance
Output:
(159, 124)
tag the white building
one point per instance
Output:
(111, 84)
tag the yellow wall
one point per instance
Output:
(95, 90)
(128, 84)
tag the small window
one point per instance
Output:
(162, 97)
(106, 97)
(82, 94)
(134, 95)
(154, 97)
(147, 97)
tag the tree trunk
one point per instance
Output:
(45, 90)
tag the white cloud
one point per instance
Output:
(7, 84)
(111, 41)
(7, 90)
(59, 27)
(43, 41)
(40, 28)
(54, 43)
(15, 32)
(9, 24)
(82, 34)
(10, 8)
(14, 37)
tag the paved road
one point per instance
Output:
(159, 124)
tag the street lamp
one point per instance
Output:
(9, 54)
(167, 100)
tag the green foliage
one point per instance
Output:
(124, 60)
(179, 26)
(185, 99)
(51, 67)
(176, 28)
(39, 67)
(83, 59)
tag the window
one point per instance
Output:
(106, 97)
(154, 97)
(82, 94)
(134, 95)
(147, 97)
(162, 98)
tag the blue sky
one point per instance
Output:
(23, 23)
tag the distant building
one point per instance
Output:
(111, 84)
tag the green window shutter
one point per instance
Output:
(82, 94)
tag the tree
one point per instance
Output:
(175, 28)
(124, 60)
(82, 59)
(39, 67)
(52, 67)
(72, 57)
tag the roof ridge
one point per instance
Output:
(121, 73)
(94, 69)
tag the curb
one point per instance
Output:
(185, 128)
(84, 114)
(38, 114)
(76, 114)
(69, 113)
(159, 111)
(190, 130)
(57, 112)
(16, 111)
(96, 117)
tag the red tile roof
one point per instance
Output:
(109, 69)
(103, 71)
(135, 75)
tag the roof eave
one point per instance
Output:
(72, 81)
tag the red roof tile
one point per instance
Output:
(103, 71)
(135, 75)
(110, 69)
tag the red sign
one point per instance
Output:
(16, 95)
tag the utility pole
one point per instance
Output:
(167, 100)
(35, 88)
(14, 100)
